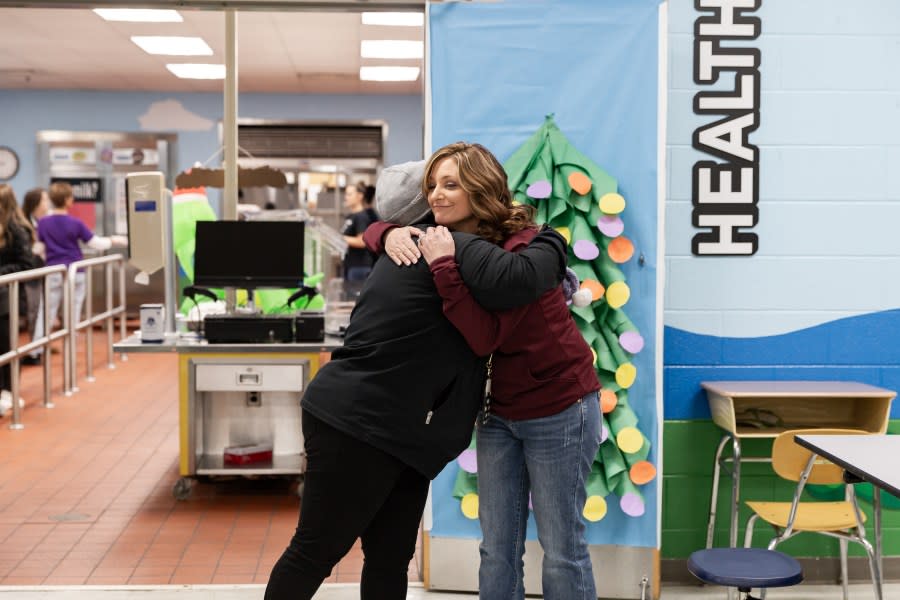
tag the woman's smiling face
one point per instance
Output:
(449, 202)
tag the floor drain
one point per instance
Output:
(70, 517)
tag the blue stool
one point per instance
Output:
(745, 568)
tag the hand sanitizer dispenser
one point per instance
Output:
(147, 219)
(149, 234)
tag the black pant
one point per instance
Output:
(352, 490)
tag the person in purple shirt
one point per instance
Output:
(62, 236)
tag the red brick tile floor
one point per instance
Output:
(86, 490)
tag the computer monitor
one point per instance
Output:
(249, 254)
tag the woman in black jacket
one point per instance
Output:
(15, 255)
(394, 405)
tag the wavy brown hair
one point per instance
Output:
(10, 214)
(482, 176)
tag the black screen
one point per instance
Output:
(249, 254)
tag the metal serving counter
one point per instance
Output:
(193, 343)
(238, 395)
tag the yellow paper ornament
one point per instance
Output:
(617, 294)
(625, 374)
(629, 440)
(469, 505)
(612, 203)
(594, 508)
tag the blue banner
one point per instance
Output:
(496, 70)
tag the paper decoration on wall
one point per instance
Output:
(247, 177)
(581, 201)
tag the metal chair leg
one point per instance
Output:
(874, 569)
(748, 535)
(714, 495)
(844, 575)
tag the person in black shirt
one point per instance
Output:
(358, 260)
(395, 404)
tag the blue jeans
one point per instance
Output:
(551, 457)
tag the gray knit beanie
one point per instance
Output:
(398, 193)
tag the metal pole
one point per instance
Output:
(122, 315)
(71, 327)
(45, 296)
(89, 328)
(108, 280)
(229, 131)
(13, 333)
(68, 358)
(170, 273)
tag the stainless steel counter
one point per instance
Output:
(194, 344)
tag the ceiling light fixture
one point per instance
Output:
(391, 49)
(389, 73)
(172, 45)
(394, 19)
(197, 71)
(140, 15)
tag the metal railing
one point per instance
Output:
(107, 316)
(69, 328)
(12, 357)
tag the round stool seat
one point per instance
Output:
(745, 568)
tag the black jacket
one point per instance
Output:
(15, 256)
(405, 380)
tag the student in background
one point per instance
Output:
(358, 261)
(62, 235)
(35, 206)
(15, 255)
(369, 200)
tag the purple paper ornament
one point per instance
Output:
(610, 225)
(631, 341)
(467, 461)
(585, 250)
(539, 189)
(632, 504)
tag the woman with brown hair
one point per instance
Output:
(15, 255)
(539, 427)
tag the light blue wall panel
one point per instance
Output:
(812, 118)
(822, 17)
(795, 229)
(808, 173)
(829, 184)
(762, 283)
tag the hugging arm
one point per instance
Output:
(498, 277)
(501, 280)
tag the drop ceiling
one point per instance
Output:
(278, 52)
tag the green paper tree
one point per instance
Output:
(581, 201)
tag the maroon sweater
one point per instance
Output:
(542, 365)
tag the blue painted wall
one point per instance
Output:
(615, 126)
(27, 112)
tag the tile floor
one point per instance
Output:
(87, 512)
(86, 490)
(348, 591)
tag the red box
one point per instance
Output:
(248, 454)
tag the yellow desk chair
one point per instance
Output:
(843, 520)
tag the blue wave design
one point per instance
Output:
(863, 348)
